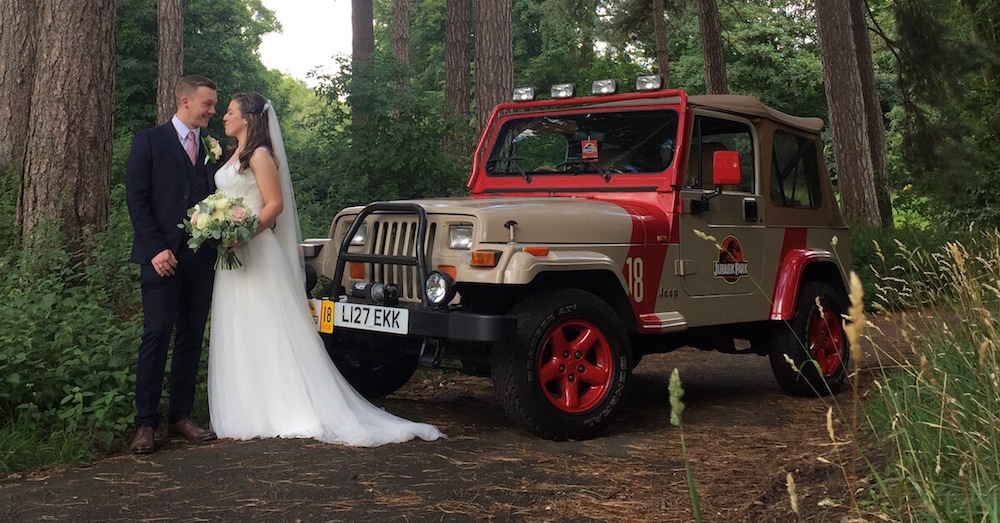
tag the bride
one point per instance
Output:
(268, 371)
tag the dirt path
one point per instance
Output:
(743, 436)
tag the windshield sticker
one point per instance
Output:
(588, 150)
(731, 266)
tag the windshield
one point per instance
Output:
(588, 142)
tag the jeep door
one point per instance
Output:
(721, 233)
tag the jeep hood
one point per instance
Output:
(566, 220)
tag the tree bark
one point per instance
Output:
(170, 55)
(851, 146)
(457, 68)
(66, 176)
(873, 110)
(662, 56)
(17, 70)
(494, 57)
(362, 55)
(711, 43)
(401, 35)
(362, 33)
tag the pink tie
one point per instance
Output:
(192, 147)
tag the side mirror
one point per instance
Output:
(726, 168)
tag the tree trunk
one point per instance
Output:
(711, 43)
(662, 56)
(17, 70)
(457, 69)
(494, 57)
(401, 35)
(362, 54)
(170, 55)
(362, 33)
(873, 109)
(66, 174)
(851, 147)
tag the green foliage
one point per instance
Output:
(24, 446)
(949, 59)
(68, 332)
(221, 38)
(396, 153)
(935, 413)
(883, 259)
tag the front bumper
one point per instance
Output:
(455, 325)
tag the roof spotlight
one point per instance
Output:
(563, 90)
(649, 82)
(608, 86)
(524, 94)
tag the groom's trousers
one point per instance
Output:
(175, 305)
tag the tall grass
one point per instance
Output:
(936, 402)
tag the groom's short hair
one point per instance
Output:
(187, 85)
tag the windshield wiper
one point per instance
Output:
(511, 162)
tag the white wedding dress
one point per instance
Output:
(268, 373)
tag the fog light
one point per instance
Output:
(439, 288)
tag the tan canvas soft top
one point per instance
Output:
(734, 104)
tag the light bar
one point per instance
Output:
(608, 86)
(649, 83)
(563, 90)
(524, 94)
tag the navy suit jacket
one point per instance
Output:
(158, 190)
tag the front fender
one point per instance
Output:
(524, 267)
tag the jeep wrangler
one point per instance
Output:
(598, 229)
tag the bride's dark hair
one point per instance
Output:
(252, 105)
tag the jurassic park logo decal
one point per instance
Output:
(731, 265)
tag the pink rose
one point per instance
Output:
(238, 214)
(194, 217)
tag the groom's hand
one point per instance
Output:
(164, 263)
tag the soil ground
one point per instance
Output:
(743, 437)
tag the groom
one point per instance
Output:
(167, 174)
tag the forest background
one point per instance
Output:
(70, 316)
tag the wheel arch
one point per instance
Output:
(799, 266)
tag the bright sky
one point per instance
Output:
(313, 33)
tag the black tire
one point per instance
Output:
(537, 388)
(373, 372)
(815, 341)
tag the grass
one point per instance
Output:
(923, 434)
(24, 447)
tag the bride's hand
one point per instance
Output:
(239, 243)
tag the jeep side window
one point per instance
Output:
(794, 172)
(717, 134)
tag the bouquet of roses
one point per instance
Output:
(221, 221)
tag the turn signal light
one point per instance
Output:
(537, 251)
(485, 258)
(450, 270)
(357, 270)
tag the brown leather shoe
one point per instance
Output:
(190, 430)
(142, 441)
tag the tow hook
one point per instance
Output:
(430, 352)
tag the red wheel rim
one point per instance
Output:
(575, 366)
(826, 339)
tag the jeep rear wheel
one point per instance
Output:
(566, 372)
(815, 342)
(372, 372)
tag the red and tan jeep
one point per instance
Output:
(599, 229)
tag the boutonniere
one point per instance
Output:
(213, 149)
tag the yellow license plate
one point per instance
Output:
(322, 313)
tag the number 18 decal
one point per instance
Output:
(633, 278)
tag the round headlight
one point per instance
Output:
(439, 288)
